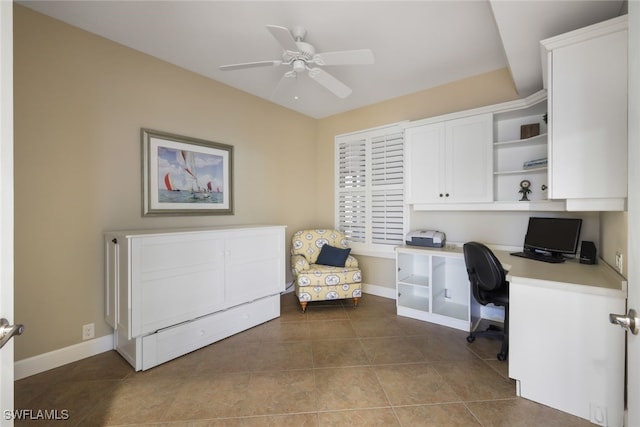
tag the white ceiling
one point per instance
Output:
(417, 44)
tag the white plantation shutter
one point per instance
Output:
(387, 217)
(387, 159)
(352, 165)
(370, 187)
(352, 180)
(353, 215)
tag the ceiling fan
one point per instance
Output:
(302, 56)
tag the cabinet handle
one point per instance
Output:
(440, 194)
(114, 241)
(447, 195)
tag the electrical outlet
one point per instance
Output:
(619, 262)
(88, 331)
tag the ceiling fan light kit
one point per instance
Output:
(301, 56)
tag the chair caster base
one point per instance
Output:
(471, 338)
(502, 357)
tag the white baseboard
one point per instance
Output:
(53, 359)
(380, 291)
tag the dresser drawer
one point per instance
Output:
(175, 341)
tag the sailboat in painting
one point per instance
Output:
(188, 159)
(168, 184)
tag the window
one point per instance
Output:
(370, 190)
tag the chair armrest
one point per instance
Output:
(351, 262)
(299, 263)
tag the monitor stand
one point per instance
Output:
(553, 258)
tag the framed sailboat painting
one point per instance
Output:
(185, 176)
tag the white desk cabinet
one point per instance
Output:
(586, 75)
(450, 161)
(171, 292)
(432, 285)
(563, 352)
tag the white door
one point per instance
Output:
(6, 204)
(633, 257)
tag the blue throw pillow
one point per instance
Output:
(330, 255)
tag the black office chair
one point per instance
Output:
(489, 285)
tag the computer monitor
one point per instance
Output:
(553, 236)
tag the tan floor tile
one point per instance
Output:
(208, 396)
(393, 350)
(337, 353)
(79, 399)
(272, 356)
(474, 380)
(383, 417)
(377, 327)
(331, 329)
(289, 420)
(438, 415)
(280, 393)
(348, 388)
(136, 400)
(278, 330)
(226, 357)
(439, 347)
(522, 413)
(414, 384)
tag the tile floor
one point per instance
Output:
(333, 366)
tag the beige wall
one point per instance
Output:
(80, 101)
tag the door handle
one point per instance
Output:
(7, 331)
(628, 321)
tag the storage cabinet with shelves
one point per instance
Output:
(493, 182)
(433, 286)
(585, 72)
(450, 161)
(512, 153)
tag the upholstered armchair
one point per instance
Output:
(323, 268)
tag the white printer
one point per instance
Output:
(428, 238)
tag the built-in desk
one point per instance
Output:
(563, 352)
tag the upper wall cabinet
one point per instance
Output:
(450, 161)
(586, 77)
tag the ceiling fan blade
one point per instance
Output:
(284, 37)
(345, 57)
(327, 80)
(273, 63)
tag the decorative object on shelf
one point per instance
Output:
(185, 176)
(536, 163)
(530, 130)
(524, 189)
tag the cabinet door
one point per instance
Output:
(254, 265)
(175, 278)
(425, 163)
(588, 118)
(469, 159)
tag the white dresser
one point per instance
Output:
(169, 292)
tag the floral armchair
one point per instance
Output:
(323, 268)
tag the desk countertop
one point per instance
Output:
(570, 275)
(599, 279)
